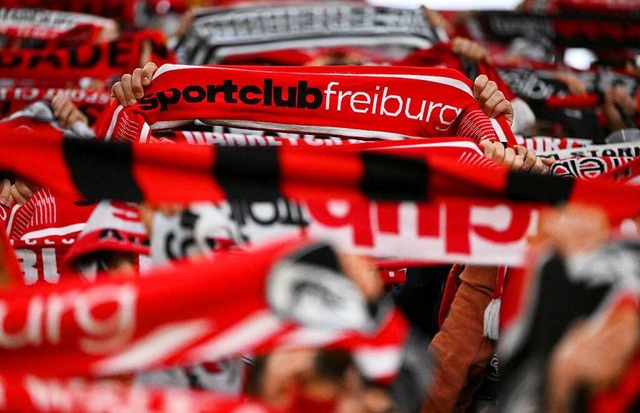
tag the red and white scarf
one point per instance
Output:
(393, 102)
(157, 173)
(43, 229)
(194, 312)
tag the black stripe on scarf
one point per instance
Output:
(248, 173)
(102, 171)
(388, 178)
(523, 186)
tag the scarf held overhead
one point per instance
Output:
(157, 173)
(393, 102)
(195, 312)
(220, 32)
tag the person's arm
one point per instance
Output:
(460, 347)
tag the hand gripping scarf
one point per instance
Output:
(367, 102)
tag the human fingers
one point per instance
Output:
(64, 114)
(493, 150)
(499, 153)
(478, 85)
(76, 116)
(56, 103)
(495, 104)
(136, 84)
(127, 88)
(147, 73)
(487, 91)
(509, 158)
(5, 192)
(487, 148)
(456, 44)
(476, 51)
(17, 196)
(528, 157)
(117, 92)
(539, 167)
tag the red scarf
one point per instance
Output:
(446, 231)
(628, 174)
(588, 167)
(119, 326)
(102, 61)
(42, 230)
(157, 173)
(394, 102)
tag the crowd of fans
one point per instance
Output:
(229, 205)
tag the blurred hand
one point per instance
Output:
(574, 229)
(575, 85)
(469, 49)
(66, 112)
(594, 354)
(619, 108)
